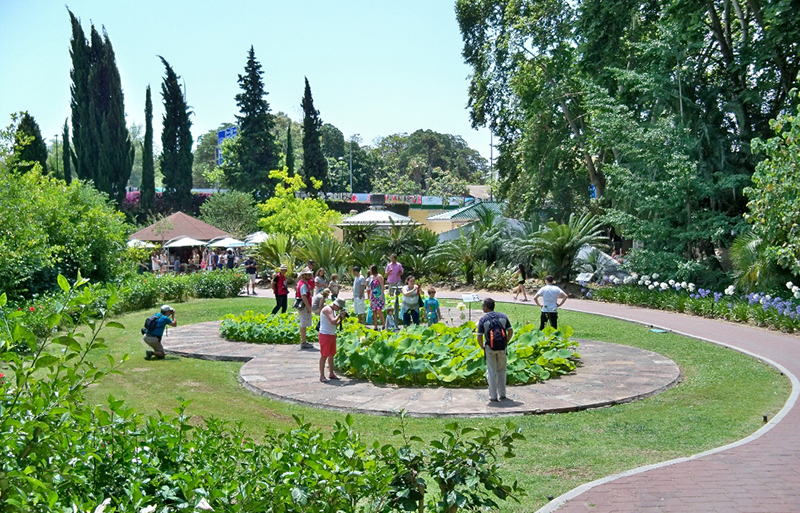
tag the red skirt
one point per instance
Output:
(327, 345)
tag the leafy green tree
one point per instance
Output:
(314, 165)
(283, 127)
(65, 154)
(29, 147)
(332, 141)
(234, 212)
(147, 197)
(286, 213)
(102, 149)
(774, 207)
(176, 142)
(254, 152)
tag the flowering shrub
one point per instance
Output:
(755, 308)
(264, 328)
(59, 453)
(445, 356)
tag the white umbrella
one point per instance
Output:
(225, 242)
(256, 238)
(136, 243)
(183, 242)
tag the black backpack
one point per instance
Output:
(495, 334)
(151, 323)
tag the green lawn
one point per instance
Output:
(722, 398)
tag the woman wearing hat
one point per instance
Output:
(329, 319)
(305, 289)
(280, 290)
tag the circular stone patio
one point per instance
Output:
(609, 374)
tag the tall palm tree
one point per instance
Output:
(558, 244)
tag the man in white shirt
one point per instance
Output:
(553, 297)
(359, 284)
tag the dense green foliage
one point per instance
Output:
(60, 453)
(102, 150)
(315, 167)
(285, 213)
(65, 153)
(254, 153)
(147, 201)
(29, 147)
(176, 142)
(441, 355)
(49, 227)
(654, 104)
(234, 212)
(774, 207)
(263, 328)
(289, 153)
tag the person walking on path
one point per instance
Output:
(494, 332)
(152, 335)
(359, 285)
(280, 290)
(553, 297)
(376, 298)
(521, 276)
(410, 301)
(329, 319)
(250, 269)
(305, 288)
(394, 272)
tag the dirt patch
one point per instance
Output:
(580, 473)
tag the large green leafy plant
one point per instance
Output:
(263, 328)
(440, 355)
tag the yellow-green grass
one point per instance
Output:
(722, 398)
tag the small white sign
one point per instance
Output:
(470, 298)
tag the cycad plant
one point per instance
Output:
(276, 250)
(558, 244)
(359, 233)
(325, 250)
(465, 252)
(398, 239)
(752, 269)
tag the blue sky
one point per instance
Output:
(375, 67)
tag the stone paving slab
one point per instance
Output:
(609, 374)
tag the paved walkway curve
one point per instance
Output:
(760, 473)
(609, 374)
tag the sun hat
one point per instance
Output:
(166, 309)
(284, 267)
(339, 302)
(306, 270)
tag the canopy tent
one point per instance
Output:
(226, 242)
(179, 225)
(136, 243)
(379, 217)
(184, 242)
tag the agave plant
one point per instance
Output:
(465, 252)
(328, 252)
(558, 244)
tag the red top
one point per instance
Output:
(281, 288)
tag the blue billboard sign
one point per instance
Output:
(231, 131)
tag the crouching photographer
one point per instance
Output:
(154, 329)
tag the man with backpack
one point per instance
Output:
(154, 329)
(494, 333)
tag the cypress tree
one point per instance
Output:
(176, 142)
(65, 154)
(255, 152)
(314, 163)
(29, 147)
(289, 150)
(102, 147)
(147, 194)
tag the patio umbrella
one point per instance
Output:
(136, 243)
(256, 238)
(226, 242)
(184, 242)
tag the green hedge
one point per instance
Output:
(264, 328)
(444, 356)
